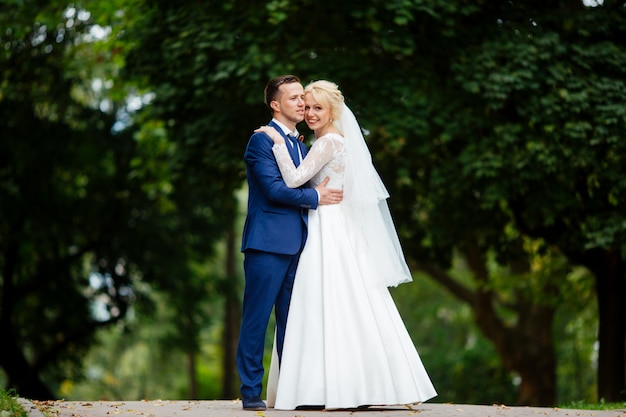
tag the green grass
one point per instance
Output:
(582, 405)
(9, 406)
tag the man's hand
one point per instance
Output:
(328, 195)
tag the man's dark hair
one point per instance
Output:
(271, 89)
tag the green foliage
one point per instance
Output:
(548, 107)
(143, 360)
(451, 347)
(94, 208)
(10, 406)
(493, 124)
(523, 131)
(454, 350)
(575, 333)
(602, 405)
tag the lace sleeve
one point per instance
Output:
(321, 152)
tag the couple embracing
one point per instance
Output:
(320, 248)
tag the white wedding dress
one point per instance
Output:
(345, 344)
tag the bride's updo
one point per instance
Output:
(327, 94)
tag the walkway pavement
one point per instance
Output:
(159, 408)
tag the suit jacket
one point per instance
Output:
(277, 214)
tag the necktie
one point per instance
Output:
(294, 144)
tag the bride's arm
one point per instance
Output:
(320, 153)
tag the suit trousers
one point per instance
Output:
(269, 283)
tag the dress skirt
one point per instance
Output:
(345, 343)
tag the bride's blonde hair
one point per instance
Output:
(328, 94)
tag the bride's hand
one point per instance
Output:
(272, 133)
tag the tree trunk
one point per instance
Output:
(535, 358)
(231, 336)
(22, 377)
(525, 347)
(609, 271)
(191, 369)
(231, 321)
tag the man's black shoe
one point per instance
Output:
(254, 404)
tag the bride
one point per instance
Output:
(345, 343)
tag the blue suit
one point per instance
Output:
(273, 237)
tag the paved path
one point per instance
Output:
(161, 408)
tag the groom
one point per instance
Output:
(273, 235)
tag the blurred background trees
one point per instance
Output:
(496, 126)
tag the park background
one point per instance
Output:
(497, 126)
